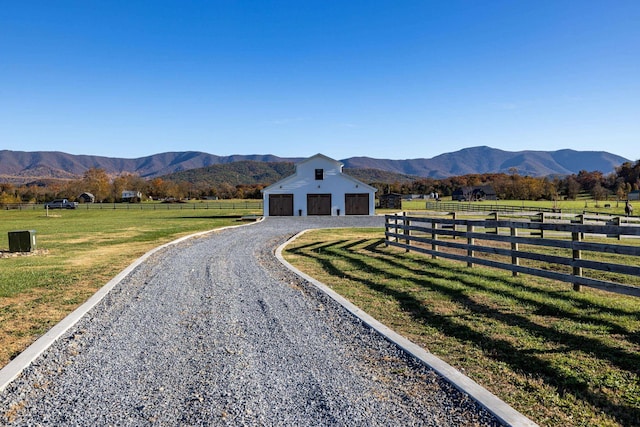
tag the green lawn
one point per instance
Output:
(78, 251)
(558, 356)
(615, 207)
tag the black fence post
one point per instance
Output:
(406, 223)
(577, 271)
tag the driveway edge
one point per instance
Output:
(15, 367)
(500, 409)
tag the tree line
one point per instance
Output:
(108, 189)
(508, 186)
(513, 186)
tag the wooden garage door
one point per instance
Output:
(318, 204)
(280, 204)
(356, 204)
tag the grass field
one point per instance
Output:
(558, 356)
(78, 251)
(615, 207)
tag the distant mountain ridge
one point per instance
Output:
(21, 166)
(479, 160)
(249, 172)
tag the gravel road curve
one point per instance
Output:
(214, 331)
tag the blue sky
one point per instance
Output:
(386, 79)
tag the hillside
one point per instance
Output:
(250, 172)
(22, 167)
(479, 160)
(245, 172)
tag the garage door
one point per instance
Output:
(318, 204)
(356, 204)
(280, 204)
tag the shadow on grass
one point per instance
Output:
(213, 217)
(528, 362)
(515, 288)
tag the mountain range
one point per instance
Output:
(22, 166)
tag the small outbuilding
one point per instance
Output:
(391, 201)
(86, 198)
(474, 194)
(634, 195)
(131, 196)
(319, 187)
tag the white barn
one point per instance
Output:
(318, 187)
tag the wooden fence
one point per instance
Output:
(504, 241)
(495, 207)
(218, 204)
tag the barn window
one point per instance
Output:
(319, 174)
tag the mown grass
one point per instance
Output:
(558, 356)
(78, 252)
(616, 207)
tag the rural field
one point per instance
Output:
(558, 356)
(574, 206)
(78, 251)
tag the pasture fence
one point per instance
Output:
(495, 207)
(219, 204)
(577, 249)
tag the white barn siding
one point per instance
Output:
(303, 182)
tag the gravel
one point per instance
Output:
(214, 331)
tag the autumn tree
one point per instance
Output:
(630, 174)
(588, 180)
(158, 188)
(8, 194)
(598, 192)
(551, 188)
(572, 187)
(128, 182)
(97, 182)
(226, 191)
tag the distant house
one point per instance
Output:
(634, 195)
(390, 201)
(472, 194)
(415, 197)
(318, 187)
(131, 196)
(86, 198)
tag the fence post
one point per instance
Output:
(577, 271)
(386, 230)
(496, 217)
(618, 221)
(454, 215)
(406, 223)
(542, 218)
(470, 242)
(395, 220)
(434, 237)
(514, 248)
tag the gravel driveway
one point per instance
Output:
(214, 331)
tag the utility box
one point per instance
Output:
(22, 241)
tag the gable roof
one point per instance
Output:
(339, 165)
(319, 156)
